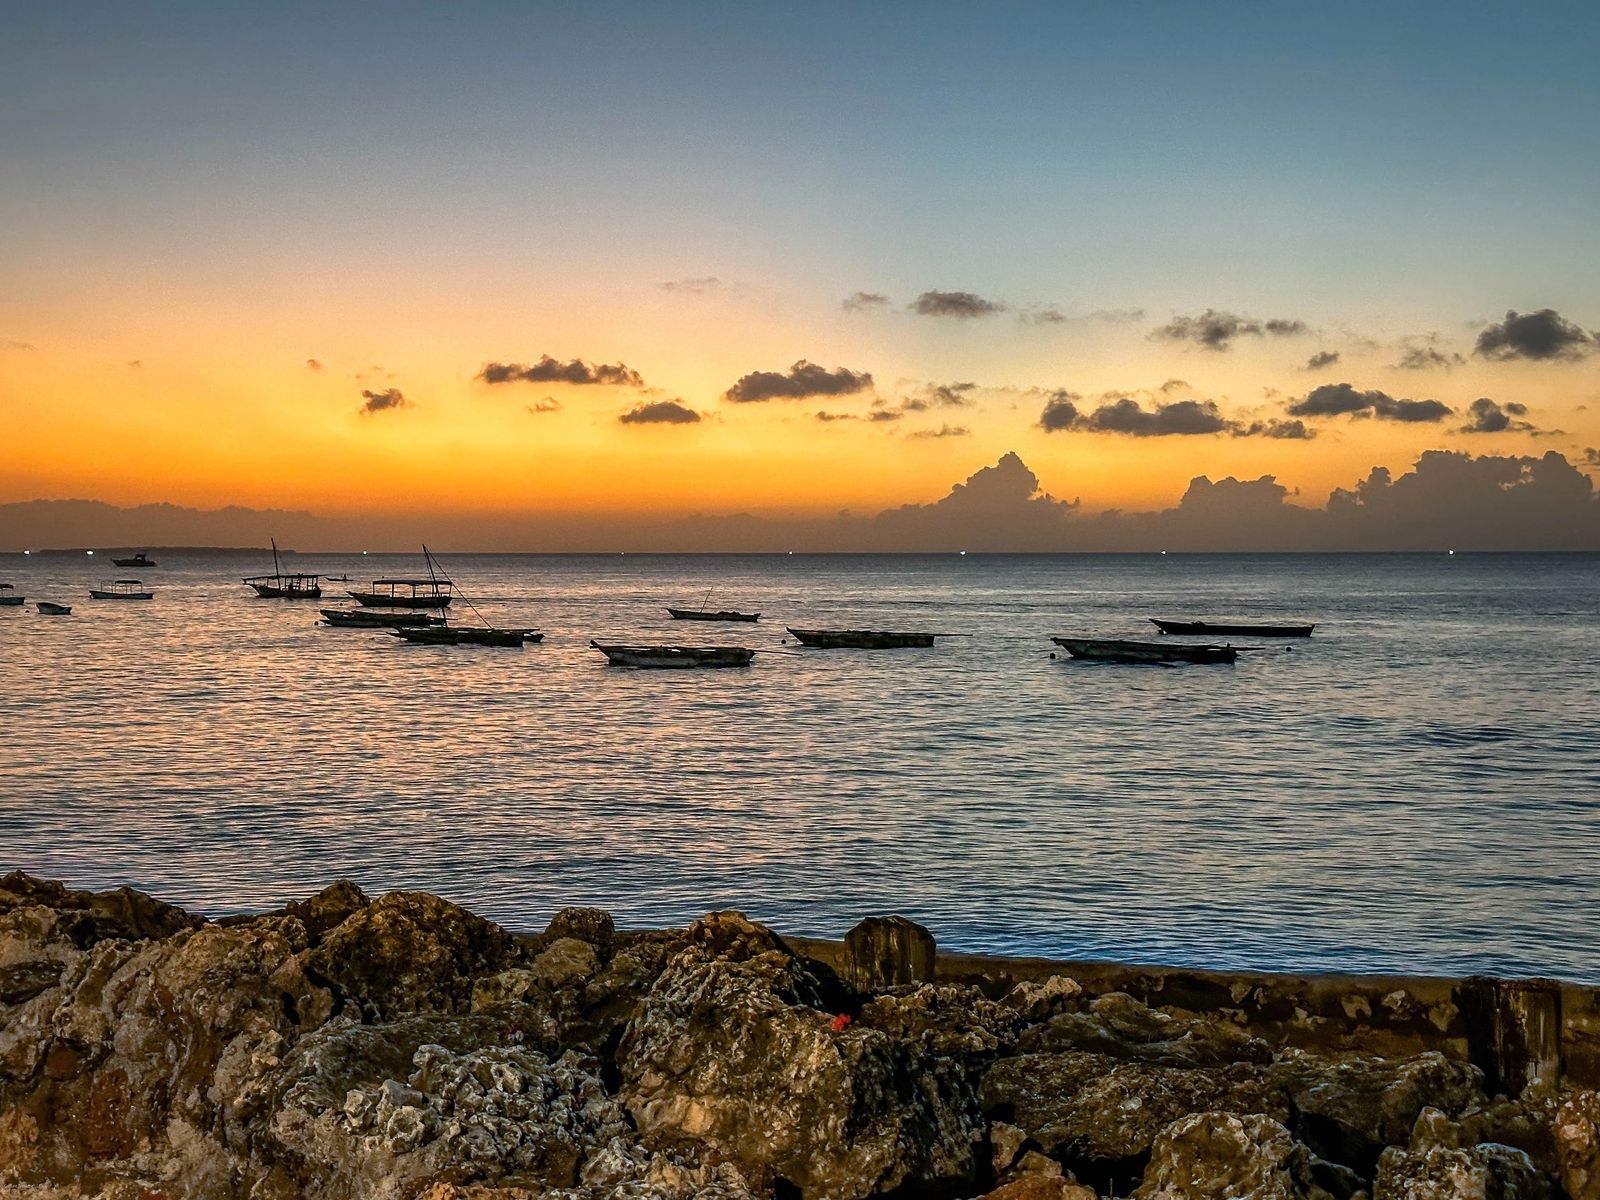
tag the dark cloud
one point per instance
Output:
(1124, 414)
(963, 305)
(799, 381)
(136, 363)
(548, 405)
(944, 431)
(1489, 417)
(550, 370)
(862, 301)
(1544, 336)
(998, 508)
(693, 287)
(1050, 314)
(833, 416)
(313, 364)
(1214, 330)
(1339, 399)
(884, 414)
(377, 402)
(661, 412)
(1060, 412)
(1591, 457)
(1296, 431)
(1321, 359)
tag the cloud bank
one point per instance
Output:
(798, 382)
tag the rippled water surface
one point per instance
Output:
(1416, 789)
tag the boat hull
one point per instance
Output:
(50, 609)
(861, 639)
(365, 618)
(695, 614)
(97, 594)
(1151, 653)
(675, 657)
(443, 635)
(140, 561)
(385, 600)
(269, 591)
(11, 601)
(1207, 629)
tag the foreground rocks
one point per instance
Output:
(401, 1048)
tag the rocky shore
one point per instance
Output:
(402, 1048)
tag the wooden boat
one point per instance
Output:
(466, 635)
(407, 593)
(373, 618)
(669, 657)
(50, 608)
(9, 597)
(140, 559)
(122, 589)
(862, 639)
(278, 586)
(1165, 653)
(700, 614)
(1208, 629)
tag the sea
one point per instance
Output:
(1415, 789)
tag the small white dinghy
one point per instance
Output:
(50, 608)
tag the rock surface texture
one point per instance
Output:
(344, 1047)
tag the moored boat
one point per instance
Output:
(9, 596)
(406, 593)
(295, 585)
(468, 635)
(140, 559)
(50, 608)
(375, 618)
(1165, 653)
(669, 657)
(122, 589)
(1229, 629)
(862, 639)
(700, 614)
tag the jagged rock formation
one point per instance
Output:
(401, 1048)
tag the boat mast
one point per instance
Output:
(277, 568)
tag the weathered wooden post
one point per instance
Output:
(885, 952)
(1513, 1030)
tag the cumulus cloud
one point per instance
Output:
(1000, 507)
(884, 414)
(548, 405)
(864, 301)
(962, 305)
(939, 395)
(661, 412)
(384, 401)
(1321, 359)
(1123, 414)
(837, 416)
(799, 381)
(693, 287)
(944, 431)
(1060, 412)
(550, 370)
(1424, 356)
(1488, 417)
(1340, 399)
(1543, 336)
(1216, 330)
(1591, 457)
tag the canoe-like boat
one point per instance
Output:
(700, 614)
(9, 597)
(50, 608)
(861, 639)
(406, 593)
(1114, 651)
(281, 585)
(375, 618)
(1209, 629)
(674, 656)
(140, 559)
(122, 589)
(457, 635)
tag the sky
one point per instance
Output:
(613, 261)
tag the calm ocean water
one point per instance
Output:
(1415, 789)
